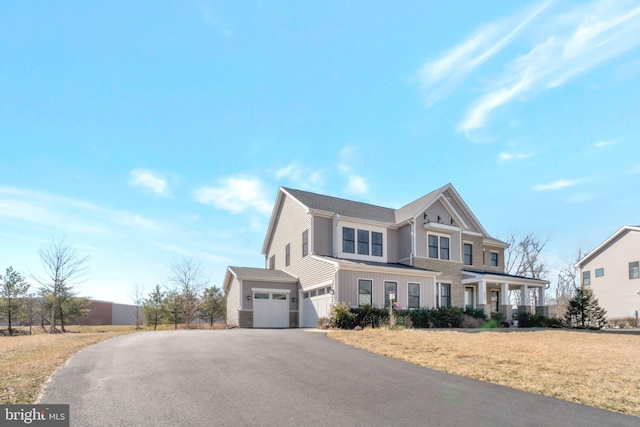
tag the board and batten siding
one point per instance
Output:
(404, 242)
(323, 236)
(247, 285)
(392, 245)
(233, 302)
(461, 212)
(348, 287)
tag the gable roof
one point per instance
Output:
(604, 244)
(258, 275)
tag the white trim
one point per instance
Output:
(271, 291)
(358, 291)
(419, 296)
(438, 226)
(320, 285)
(472, 233)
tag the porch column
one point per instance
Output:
(542, 307)
(541, 300)
(482, 293)
(504, 294)
(524, 300)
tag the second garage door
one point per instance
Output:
(316, 304)
(270, 309)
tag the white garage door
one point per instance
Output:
(316, 303)
(270, 309)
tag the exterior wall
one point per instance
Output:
(438, 209)
(101, 313)
(392, 245)
(451, 272)
(323, 236)
(233, 303)
(616, 293)
(404, 243)
(125, 314)
(476, 250)
(348, 287)
(460, 211)
(487, 264)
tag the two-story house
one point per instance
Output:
(320, 250)
(612, 271)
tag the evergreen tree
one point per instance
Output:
(12, 292)
(583, 310)
(213, 305)
(155, 307)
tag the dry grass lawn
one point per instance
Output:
(597, 369)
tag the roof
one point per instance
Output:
(469, 273)
(262, 274)
(600, 247)
(377, 265)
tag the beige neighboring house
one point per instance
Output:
(612, 271)
(320, 250)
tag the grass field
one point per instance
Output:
(597, 369)
(26, 361)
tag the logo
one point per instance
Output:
(34, 415)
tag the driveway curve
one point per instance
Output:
(246, 377)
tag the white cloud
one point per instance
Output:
(151, 180)
(556, 185)
(236, 195)
(601, 144)
(506, 156)
(357, 185)
(301, 176)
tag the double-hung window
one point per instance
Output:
(363, 242)
(438, 247)
(433, 246)
(586, 278)
(272, 262)
(390, 287)
(287, 254)
(376, 243)
(468, 254)
(364, 292)
(414, 295)
(305, 243)
(445, 294)
(494, 259)
(634, 270)
(444, 248)
(348, 240)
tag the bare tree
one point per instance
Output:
(12, 292)
(188, 281)
(63, 269)
(568, 281)
(31, 310)
(524, 257)
(137, 296)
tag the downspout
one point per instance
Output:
(413, 242)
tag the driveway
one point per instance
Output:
(246, 377)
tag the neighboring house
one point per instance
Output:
(320, 250)
(612, 271)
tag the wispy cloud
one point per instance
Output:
(301, 176)
(507, 156)
(357, 185)
(150, 180)
(236, 194)
(567, 41)
(556, 185)
(581, 197)
(602, 144)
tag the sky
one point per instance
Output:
(147, 132)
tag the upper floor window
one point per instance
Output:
(599, 272)
(287, 254)
(272, 262)
(364, 292)
(363, 242)
(348, 240)
(305, 243)
(586, 278)
(468, 254)
(376, 243)
(414, 295)
(494, 259)
(438, 247)
(634, 270)
(390, 287)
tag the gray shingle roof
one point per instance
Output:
(249, 273)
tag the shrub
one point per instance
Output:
(342, 317)
(498, 317)
(528, 320)
(476, 313)
(324, 322)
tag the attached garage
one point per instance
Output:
(316, 304)
(270, 308)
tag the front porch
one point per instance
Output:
(492, 292)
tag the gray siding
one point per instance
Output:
(233, 303)
(348, 287)
(404, 242)
(248, 284)
(392, 245)
(124, 314)
(323, 236)
(461, 212)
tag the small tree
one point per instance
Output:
(155, 308)
(213, 305)
(31, 309)
(12, 292)
(174, 302)
(584, 311)
(188, 281)
(137, 296)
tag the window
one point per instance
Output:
(494, 259)
(433, 246)
(272, 262)
(414, 295)
(363, 242)
(438, 247)
(388, 288)
(261, 296)
(364, 292)
(305, 243)
(444, 248)
(376, 243)
(348, 240)
(586, 278)
(469, 297)
(468, 254)
(279, 296)
(599, 272)
(305, 295)
(445, 295)
(634, 272)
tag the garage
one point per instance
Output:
(316, 304)
(270, 308)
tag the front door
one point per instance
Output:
(469, 297)
(495, 300)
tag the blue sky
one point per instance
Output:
(144, 132)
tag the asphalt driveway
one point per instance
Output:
(247, 377)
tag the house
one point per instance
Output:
(320, 250)
(612, 271)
